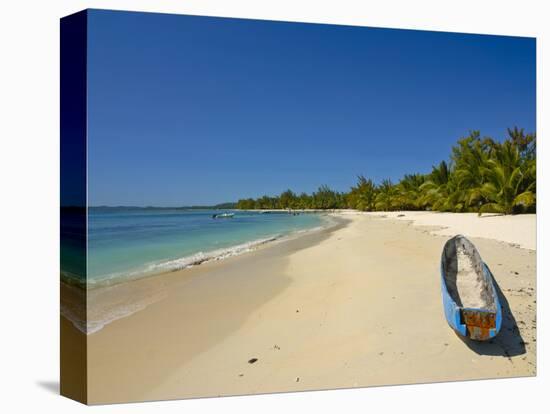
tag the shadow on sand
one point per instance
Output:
(50, 386)
(487, 215)
(508, 342)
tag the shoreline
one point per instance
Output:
(357, 306)
(159, 267)
(107, 303)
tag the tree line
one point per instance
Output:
(482, 175)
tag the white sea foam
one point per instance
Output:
(179, 263)
(105, 305)
(203, 257)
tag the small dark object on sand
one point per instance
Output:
(251, 361)
(297, 379)
(400, 215)
(297, 310)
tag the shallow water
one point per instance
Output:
(129, 243)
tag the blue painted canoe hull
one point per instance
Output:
(456, 314)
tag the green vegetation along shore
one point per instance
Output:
(482, 175)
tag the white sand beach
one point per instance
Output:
(520, 229)
(359, 305)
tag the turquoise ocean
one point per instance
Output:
(129, 243)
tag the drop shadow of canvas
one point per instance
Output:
(50, 386)
(508, 342)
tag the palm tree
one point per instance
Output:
(434, 190)
(386, 196)
(504, 188)
(363, 195)
(304, 201)
(483, 175)
(325, 198)
(525, 143)
(287, 199)
(408, 192)
(470, 158)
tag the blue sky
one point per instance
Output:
(187, 110)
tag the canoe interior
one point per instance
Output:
(467, 283)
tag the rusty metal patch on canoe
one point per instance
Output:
(478, 323)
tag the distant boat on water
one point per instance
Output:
(223, 215)
(470, 298)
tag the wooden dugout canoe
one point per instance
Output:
(470, 299)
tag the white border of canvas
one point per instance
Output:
(29, 194)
